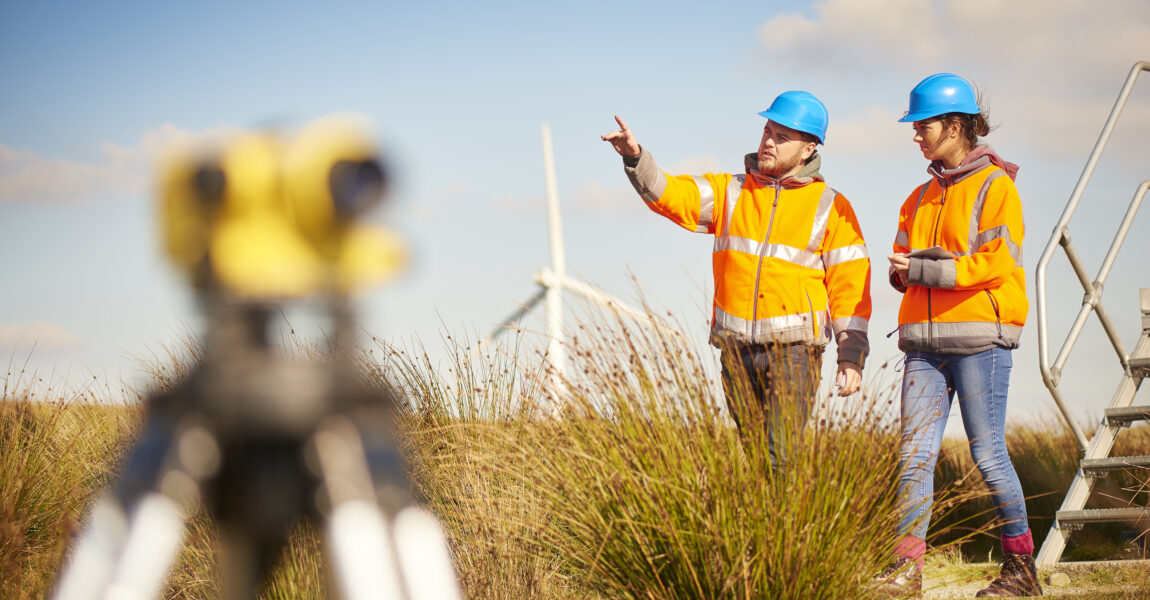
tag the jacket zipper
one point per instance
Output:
(759, 270)
(934, 242)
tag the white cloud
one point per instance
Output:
(870, 129)
(850, 29)
(1051, 71)
(40, 334)
(912, 35)
(30, 176)
(696, 165)
(592, 195)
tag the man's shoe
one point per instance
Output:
(902, 579)
(1018, 578)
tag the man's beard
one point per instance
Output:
(781, 166)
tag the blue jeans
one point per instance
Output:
(929, 385)
(771, 388)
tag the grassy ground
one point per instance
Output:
(948, 577)
(641, 489)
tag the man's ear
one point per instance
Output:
(808, 150)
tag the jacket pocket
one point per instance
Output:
(814, 292)
(997, 316)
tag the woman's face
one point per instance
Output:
(935, 139)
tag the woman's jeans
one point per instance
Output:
(979, 381)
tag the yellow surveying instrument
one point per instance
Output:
(264, 439)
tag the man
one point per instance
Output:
(790, 265)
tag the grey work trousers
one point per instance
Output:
(770, 389)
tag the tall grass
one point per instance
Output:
(642, 488)
(53, 452)
(630, 481)
(659, 496)
(1046, 457)
(461, 425)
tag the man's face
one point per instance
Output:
(782, 151)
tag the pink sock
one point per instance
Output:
(1019, 544)
(912, 548)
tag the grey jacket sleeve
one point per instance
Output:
(941, 273)
(646, 177)
(853, 346)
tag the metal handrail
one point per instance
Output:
(1092, 301)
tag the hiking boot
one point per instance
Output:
(1018, 578)
(902, 579)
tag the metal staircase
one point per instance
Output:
(1096, 460)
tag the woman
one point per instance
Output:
(958, 262)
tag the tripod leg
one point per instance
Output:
(94, 556)
(155, 536)
(410, 552)
(358, 535)
(424, 556)
(119, 557)
(135, 532)
(362, 554)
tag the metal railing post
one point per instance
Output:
(1061, 236)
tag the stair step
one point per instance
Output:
(1096, 467)
(1073, 518)
(1127, 414)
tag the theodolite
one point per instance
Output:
(262, 436)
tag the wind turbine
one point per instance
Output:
(553, 280)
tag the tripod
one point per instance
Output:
(264, 439)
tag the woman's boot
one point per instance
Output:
(1018, 578)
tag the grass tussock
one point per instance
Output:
(462, 426)
(641, 487)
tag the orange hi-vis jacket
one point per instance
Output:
(789, 260)
(975, 298)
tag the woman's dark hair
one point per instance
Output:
(972, 127)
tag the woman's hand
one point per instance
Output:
(900, 265)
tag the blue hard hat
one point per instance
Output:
(800, 111)
(940, 94)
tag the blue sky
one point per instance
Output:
(457, 92)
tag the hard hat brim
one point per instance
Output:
(792, 124)
(928, 114)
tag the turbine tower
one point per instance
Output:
(554, 279)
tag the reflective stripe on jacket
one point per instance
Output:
(789, 260)
(975, 300)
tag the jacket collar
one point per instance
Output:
(809, 173)
(974, 162)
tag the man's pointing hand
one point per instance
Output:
(623, 140)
